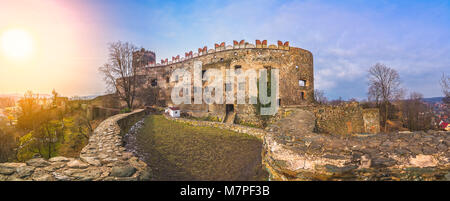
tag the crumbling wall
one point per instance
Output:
(346, 118)
(294, 64)
(371, 119)
(247, 115)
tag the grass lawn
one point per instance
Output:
(178, 151)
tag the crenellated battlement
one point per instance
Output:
(222, 47)
(295, 67)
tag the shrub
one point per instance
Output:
(125, 110)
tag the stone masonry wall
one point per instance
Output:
(257, 132)
(104, 158)
(371, 117)
(346, 118)
(295, 66)
(292, 151)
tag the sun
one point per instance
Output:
(17, 44)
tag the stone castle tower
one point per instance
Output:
(295, 65)
(144, 57)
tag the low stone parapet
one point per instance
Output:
(103, 158)
(257, 132)
(292, 151)
(295, 153)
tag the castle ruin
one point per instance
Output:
(295, 65)
(295, 89)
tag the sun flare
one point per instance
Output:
(17, 44)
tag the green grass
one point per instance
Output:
(125, 110)
(208, 118)
(178, 151)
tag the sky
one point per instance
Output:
(345, 37)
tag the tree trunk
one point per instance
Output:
(49, 149)
(129, 104)
(385, 116)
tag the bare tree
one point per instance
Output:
(416, 114)
(384, 86)
(445, 84)
(374, 94)
(319, 96)
(120, 74)
(336, 101)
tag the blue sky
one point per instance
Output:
(345, 37)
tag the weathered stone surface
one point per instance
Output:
(25, 171)
(340, 170)
(365, 162)
(14, 177)
(108, 160)
(7, 170)
(126, 155)
(10, 168)
(59, 159)
(146, 176)
(77, 164)
(123, 171)
(447, 177)
(401, 151)
(429, 150)
(91, 160)
(423, 161)
(61, 177)
(346, 118)
(83, 174)
(415, 149)
(442, 147)
(334, 156)
(3, 177)
(37, 162)
(41, 175)
(373, 152)
(380, 162)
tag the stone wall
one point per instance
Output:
(257, 132)
(414, 156)
(246, 115)
(371, 117)
(104, 158)
(292, 151)
(346, 118)
(97, 112)
(294, 64)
